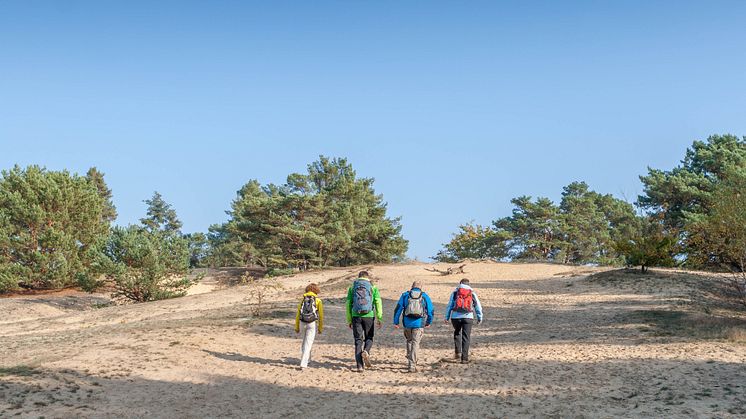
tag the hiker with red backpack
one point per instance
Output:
(311, 315)
(416, 309)
(363, 308)
(461, 309)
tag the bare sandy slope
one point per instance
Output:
(554, 344)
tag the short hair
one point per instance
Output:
(314, 288)
(362, 274)
(465, 281)
(416, 284)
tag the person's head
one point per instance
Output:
(363, 274)
(314, 288)
(416, 284)
(464, 281)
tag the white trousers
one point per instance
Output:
(309, 334)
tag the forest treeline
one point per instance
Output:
(56, 231)
(56, 227)
(692, 215)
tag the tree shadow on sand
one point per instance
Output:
(639, 387)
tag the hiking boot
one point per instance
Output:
(366, 359)
(412, 368)
(457, 355)
(359, 369)
(464, 361)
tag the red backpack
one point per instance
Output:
(463, 301)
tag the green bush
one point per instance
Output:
(148, 265)
(279, 272)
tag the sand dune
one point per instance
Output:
(555, 343)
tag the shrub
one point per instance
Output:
(148, 265)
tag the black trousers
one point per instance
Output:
(462, 336)
(363, 329)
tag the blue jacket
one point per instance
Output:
(453, 314)
(409, 322)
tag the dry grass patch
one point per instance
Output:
(19, 371)
(691, 325)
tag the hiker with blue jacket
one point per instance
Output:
(416, 311)
(462, 307)
(363, 308)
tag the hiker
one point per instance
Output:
(364, 307)
(460, 311)
(311, 314)
(416, 310)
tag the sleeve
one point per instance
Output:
(450, 307)
(430, 309)
(378, 303)
(320, 309)
(348, 306)
(398, 310)
(297, 317)
(477, 307)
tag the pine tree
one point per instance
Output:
(160, 216)
(474, 241)
(721, 234)
(582, 229)
(535, 229)
(97, 179)
(325, 217)
(52, 229)
(198, 249)
(148, 265)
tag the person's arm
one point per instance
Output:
(297, 317)
(320, 309)
(398, 310)
(477, 307)
(378, 304)
(430, 310)
(450, 307)
(348, 307)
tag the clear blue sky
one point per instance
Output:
(454, 107)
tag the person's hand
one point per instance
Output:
(319, 331)
(427, 326)
(297, 330)
(479, 321)
(380, 324)
(445, 321)
(349, 325)
(396, 326)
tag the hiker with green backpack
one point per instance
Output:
(416, 310)
(363, 308)
(311, 315)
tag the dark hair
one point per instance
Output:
(313, 288)
(362, 274)
(465, 281)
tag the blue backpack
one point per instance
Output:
(362, 297)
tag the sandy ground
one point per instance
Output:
(555, 343)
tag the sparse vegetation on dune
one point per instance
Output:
(556, 341)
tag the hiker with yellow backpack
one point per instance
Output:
(310, 315)
(363, 309)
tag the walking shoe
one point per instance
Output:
(366, 359)
(457, 355)
(412, 369)
(464, 361)
(359, 369)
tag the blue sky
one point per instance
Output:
(453, 107)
